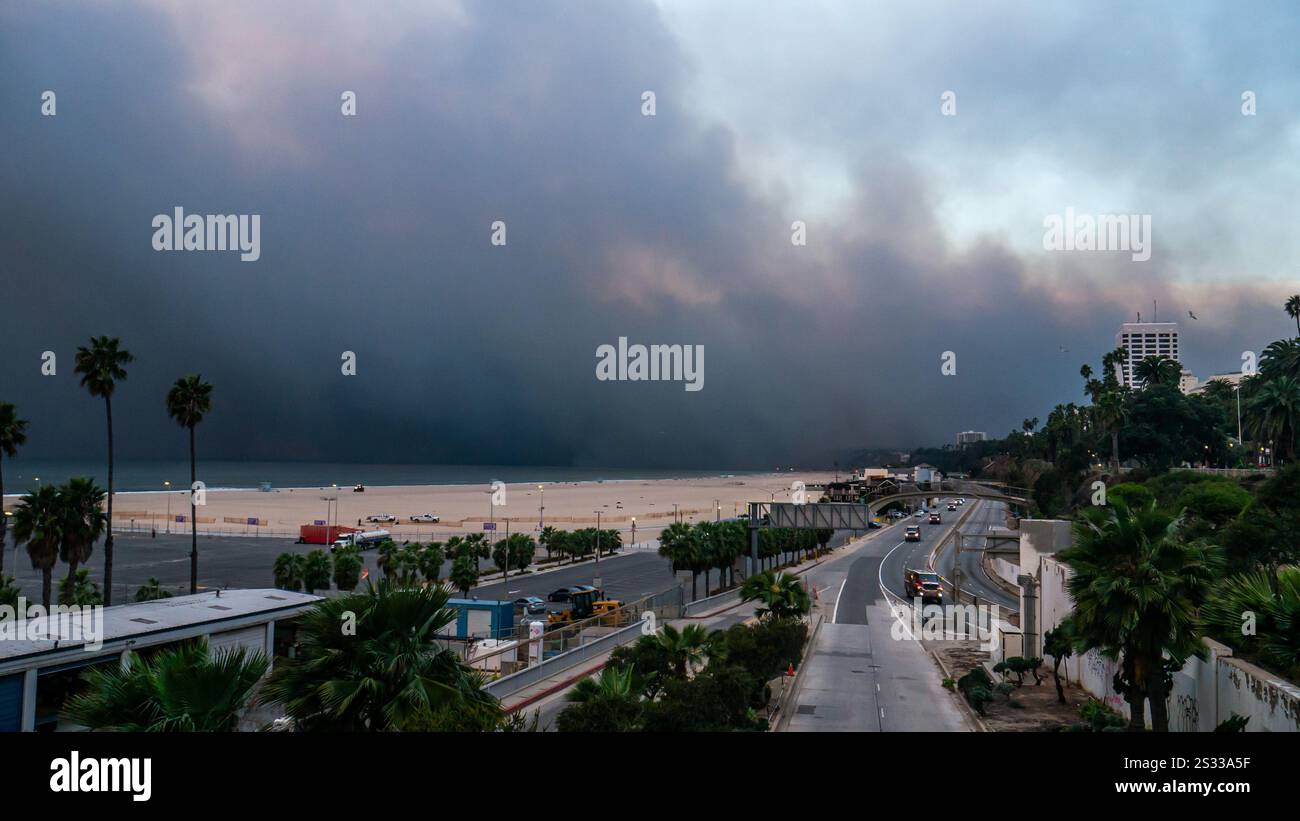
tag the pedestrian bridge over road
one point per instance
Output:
(858, 515)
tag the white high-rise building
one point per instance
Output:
(1143, 339)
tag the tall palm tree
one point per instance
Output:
(1137, 586)
(181, 689)
(187, 402)
(1293, 310)
(677, 545)
(13, 434)
(102, 365)
(1274, 414)
(386, 670)
(1112, 413)
(38, 523)
(81, 505)
(1281, 358)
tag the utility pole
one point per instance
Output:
(169, 505)
(541, 509)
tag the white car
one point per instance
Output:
(381, 517)
(426, 517)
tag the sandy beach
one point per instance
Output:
(464, 508)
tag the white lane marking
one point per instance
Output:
(835, 614)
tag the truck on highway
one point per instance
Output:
(913, 533)
(923, 585)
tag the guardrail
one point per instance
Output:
(570, 645)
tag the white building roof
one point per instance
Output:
(139, 621)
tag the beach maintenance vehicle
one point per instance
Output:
(913, 533)
(923, 585)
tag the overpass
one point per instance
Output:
(858, 515)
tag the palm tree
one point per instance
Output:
(677, 544)
(78, 589)
(613, 682)
(1281, 358)
(152, 590)
(1274, 413)
(1293, 310)
(13, 434)
(288, 571)
(187, 402)
(181, 689)
(316, 571)
(429, 560)
(782, 595)
(102, 365)
(38, 522)
(464, 574)
(1112, 413)
(81, 504)
(1158, 370)
(387, 668)
(1137, 586)
(685, 648)
(1275, 601)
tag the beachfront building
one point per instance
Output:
(37, 676)
(1143, 339)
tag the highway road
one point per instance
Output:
(863, 674)
(974, 579)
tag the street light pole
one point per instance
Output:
(168, 485)
(1237, 389)
(596, 578)
(541, 509)
(634, 531)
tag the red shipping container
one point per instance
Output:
(321, 534)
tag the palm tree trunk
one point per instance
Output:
(72, 580)
(1114, 450)
(1159, 704)
(194, 524)
(694, 591)
(108, 538)
(47, 586)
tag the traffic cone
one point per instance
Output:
(790, 671)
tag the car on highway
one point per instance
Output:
(920, 514)
(382, 517)
(923, 585)
(935, 518)
(531, 604)
(952, 505)
(426, 517)
(913, 533)
(961, 501)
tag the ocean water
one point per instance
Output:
(23, 475)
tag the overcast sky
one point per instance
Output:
(924, 231)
